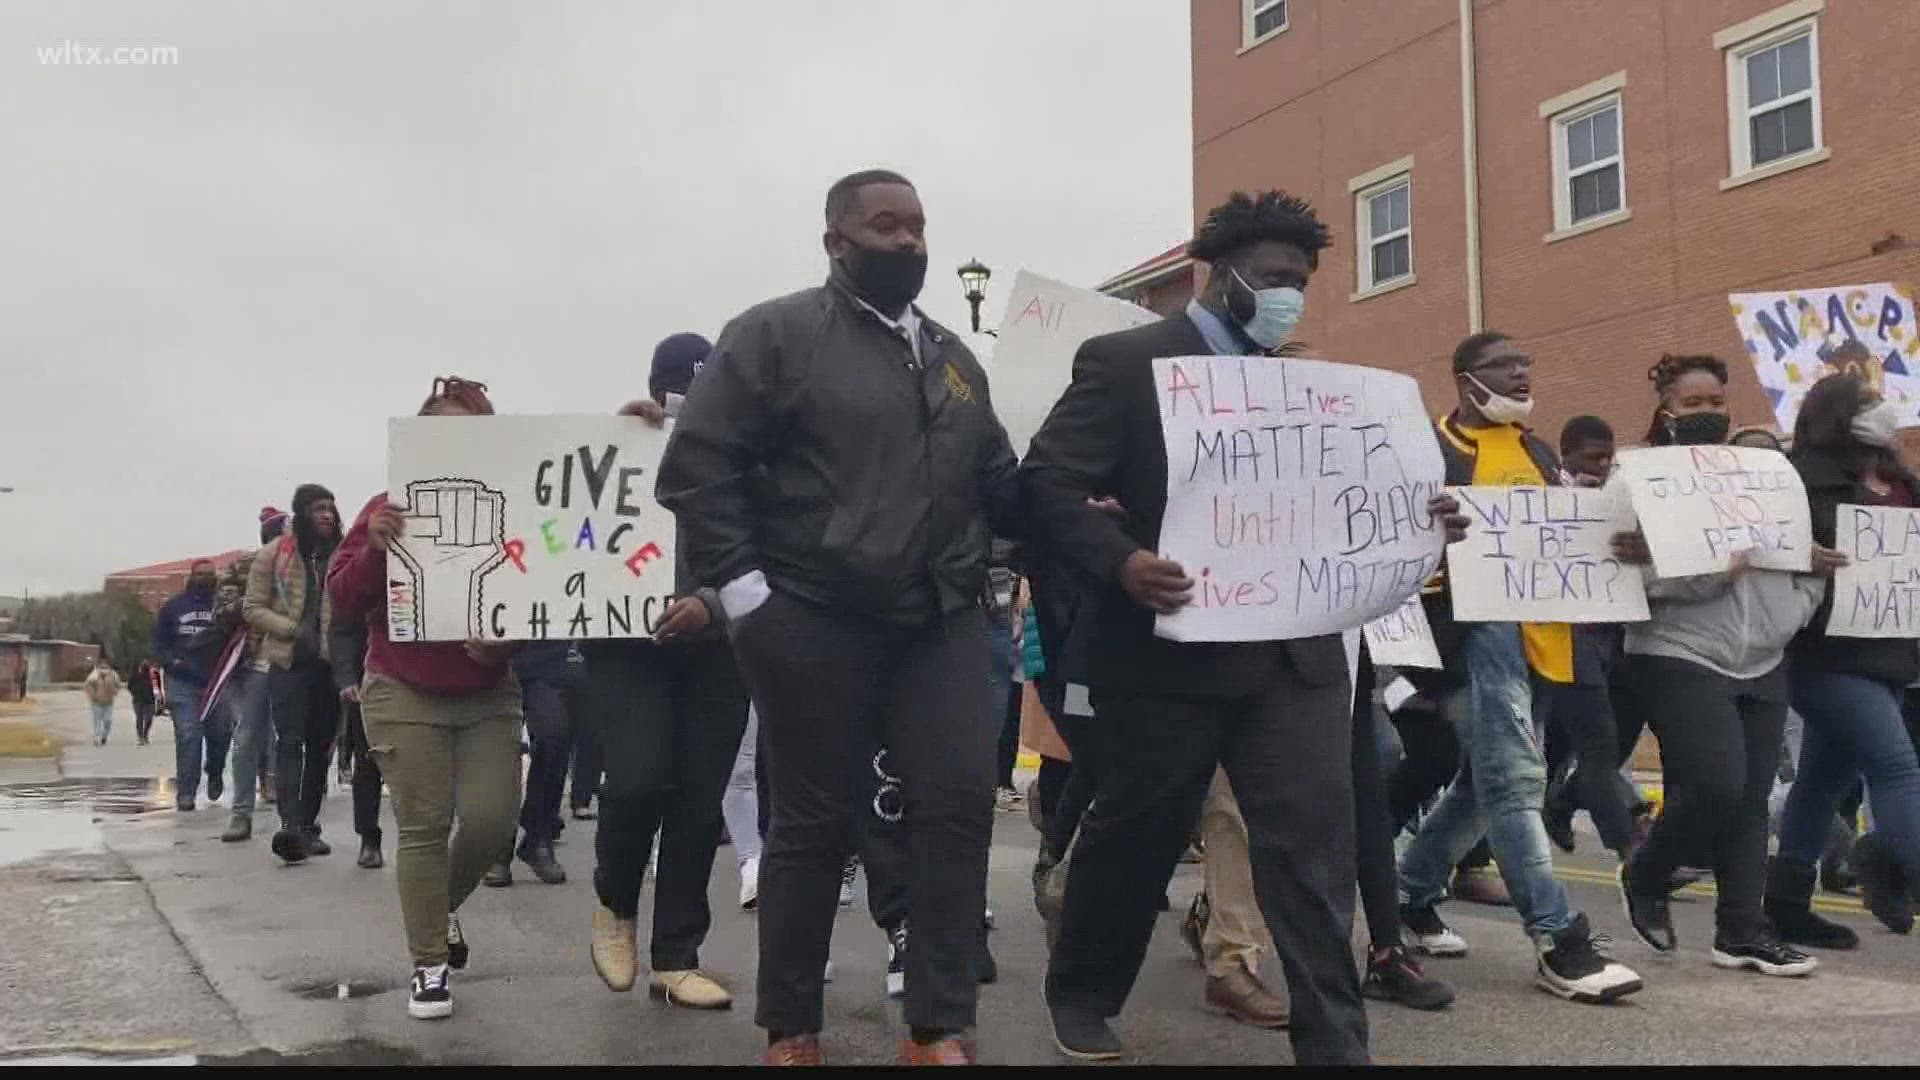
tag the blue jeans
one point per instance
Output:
(184, 699)
(1499, 792)
(102, 722)
(1853, 727)
(250, 717)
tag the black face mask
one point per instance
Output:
(1700, 429)
(887, 278)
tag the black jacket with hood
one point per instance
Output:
(1830, 482)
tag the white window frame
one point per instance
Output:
(1365, 188)
(1769, 30)
(1250, 8)
(1561, 113)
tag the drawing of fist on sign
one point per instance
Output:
(454, 537)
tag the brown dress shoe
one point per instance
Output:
(1241, 995)
(794, 1050)
(948, 1051)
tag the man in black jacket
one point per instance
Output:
(1276, 715)
(835, 471)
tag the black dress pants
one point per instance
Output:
(831, 688)
(669, 719)
(1287, 754)
(306, 718)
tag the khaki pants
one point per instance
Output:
(445, 757)
(1236, 933)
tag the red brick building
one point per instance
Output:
(1590, 176)
(155, 584)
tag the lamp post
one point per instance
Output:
(973, 279)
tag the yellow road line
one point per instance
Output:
(1833, 905)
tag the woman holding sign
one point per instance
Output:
(443, 719)
(1849, 687)
(1709, 667)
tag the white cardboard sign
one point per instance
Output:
(1544, 554)
(1877, 594)
(1402, 638)
(1297, 494)
(527, 528)
(1701, 505)
(1045, 324)
(1790, 337)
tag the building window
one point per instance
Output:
(1589, 163)
(1386, 215)
(1260, 20)
(1773, 91)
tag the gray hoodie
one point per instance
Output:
(1738, 627)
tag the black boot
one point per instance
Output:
(1882, 885)
(1790, 908)
(538, 855)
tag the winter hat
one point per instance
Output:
(675, 362)
(273, 522)
(305, 496)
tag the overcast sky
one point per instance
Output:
(219, 278)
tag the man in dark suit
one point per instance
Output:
(1274, 714)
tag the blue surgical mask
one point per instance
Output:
(1275, 313)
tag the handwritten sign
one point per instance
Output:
(1791, 336)
(1045, 324)
(1296, 494)
(1403, 638)
(1543, 554)
(527, 528)
(1878, 593)
(1701, 505)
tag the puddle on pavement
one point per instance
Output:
(350, 1053)
(39, 819)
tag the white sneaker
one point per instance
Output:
(1431, 935)
(846, 884)
(897, 962)
(827, 976)
(430, 999)
(750, 885)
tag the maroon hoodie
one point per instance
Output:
(358, 586)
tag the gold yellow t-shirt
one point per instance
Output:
(1502, 460)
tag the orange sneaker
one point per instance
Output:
(794, 1050)
(949, 1051)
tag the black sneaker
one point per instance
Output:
(498, 876)
(1558, 816)
(1650, 916)
(1574, 966)
(986, 970)
(1766, 954)
(370, 857)
(1083, 1035)
(847, 873)
(430, 999)
(290, 846)
(216, 786)
(317, 846)
(457, 951)
(1431, 934)
(897, 962)
(1394, 975)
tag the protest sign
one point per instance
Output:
(1790, 337)
(1701, 505)
(1045, 324)
(526, 528)
(1877, 594)
(1403, 638)
(1297, 494)
(1543, 554)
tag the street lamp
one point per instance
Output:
(973, 279)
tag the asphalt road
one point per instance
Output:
(141, 935)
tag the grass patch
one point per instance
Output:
(23, 740)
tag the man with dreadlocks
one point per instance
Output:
(1275, 714)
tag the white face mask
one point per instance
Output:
(673, 403)
(1877, 424)
(1500, 408)
(1275, 313)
